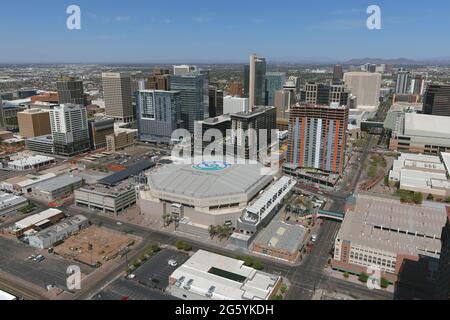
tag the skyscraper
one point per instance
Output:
(324, 93)
(117, 96)
(70, 129)
(212, 92)
(274, 82)
(194, 95)
(256, 81)
(338, 73)
(158, 115)
(403, 82)
(418, 85)
(235, 89)
(70, 91)
(365, 86)
(260, 118)
(34, 123)
(318, 137)
(437, 100)
(183, 69)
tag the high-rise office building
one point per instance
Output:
(403, 82)
(34, 123)
(417, 85)
(99, 129)
(219, 106)
(70, 91)
(235, 89)
(117, 95)
(436, 100)
(318, 137)
(324, 93)
(283, 101)
(159, 80)
(212, 93)
(234, 105)
(183, 69)
(442, 289)
(249, 146)
(254, 81)
(338, 73)
(70, 129)
(365, 87)
(158, 115)
(274, 82)
(194, 95)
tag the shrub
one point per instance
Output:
(384, 283)
(346, 275)
(363, 277)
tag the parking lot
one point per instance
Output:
(123, 289)
(155, 272)
(52, 271)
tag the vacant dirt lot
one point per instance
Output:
(106, 245)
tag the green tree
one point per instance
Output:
(187, 247)
(384, 283)
(179, 245)
(363, 277)
(418, 198)
(258, 265)
(430, 197)
(346, 275)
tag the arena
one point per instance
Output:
(198, 196)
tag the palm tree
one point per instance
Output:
(212, 231)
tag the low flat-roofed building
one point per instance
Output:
(384, 232)
(47, 238)
(106, 199)
(420, 133)
(24, 184)
(57, 188)
(280, 241)
(422, 173)
(9, 203)
(29, 163)
(6, 135)
(44, 217)
(209, 276)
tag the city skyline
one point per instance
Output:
(211, 32)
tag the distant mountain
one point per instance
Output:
(399, 61)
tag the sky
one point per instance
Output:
(156, 31)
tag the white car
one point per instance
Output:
(314, 238)
(172, 263)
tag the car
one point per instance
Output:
(32, 257)
(39, 258)
(314, 238)
(172, 263)
(131, 276)
(119, 223)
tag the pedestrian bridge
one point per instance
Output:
(331, 215)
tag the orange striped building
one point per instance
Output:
(318, 137)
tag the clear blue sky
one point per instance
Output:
(221, 30)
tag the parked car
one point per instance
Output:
(39, 258)
(173, 263)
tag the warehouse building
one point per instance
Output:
(30, 163)
(280, 241)
(385, 233)
(39, 220)
(209, 276)
(57, 188)
(198, 196)
(59, 232)
(10, 203)
(24, 184)
(106, 199)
